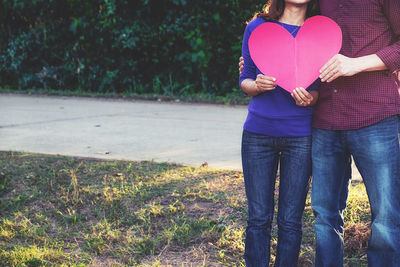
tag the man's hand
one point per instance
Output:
(340, 66)
(304, 98)
(241, 65)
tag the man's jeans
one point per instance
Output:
(376, 153)
(260, 157)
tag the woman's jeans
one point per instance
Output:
(261, 156)
(376, 153)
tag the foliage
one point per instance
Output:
(169, 47)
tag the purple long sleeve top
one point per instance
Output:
(274, 112)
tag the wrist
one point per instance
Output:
(360, 65)
(356, 65)
(370, 63)
(255, 88)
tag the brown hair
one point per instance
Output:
(273, 10)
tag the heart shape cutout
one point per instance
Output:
(295, 62)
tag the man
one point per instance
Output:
(357, 114)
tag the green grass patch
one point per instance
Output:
(67, 211)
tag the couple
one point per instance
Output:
(356, 114)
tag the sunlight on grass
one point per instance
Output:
(357, 208)
(32, 256)
(71, 211)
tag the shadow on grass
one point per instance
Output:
(79, 211)
(120, 211)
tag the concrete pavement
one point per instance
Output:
(190, 134)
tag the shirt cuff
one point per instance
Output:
(391, 57)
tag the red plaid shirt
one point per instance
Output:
(369, 27)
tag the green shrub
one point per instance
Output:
(139, 46)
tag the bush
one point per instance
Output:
(169, 47)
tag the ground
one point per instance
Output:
(58, 210)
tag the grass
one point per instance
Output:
(235, 98)
(65, 211)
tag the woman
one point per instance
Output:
(276, 133)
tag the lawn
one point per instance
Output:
(67, 211)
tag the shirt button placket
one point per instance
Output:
(339, 12)
(335, 103)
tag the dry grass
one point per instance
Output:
(82, 212)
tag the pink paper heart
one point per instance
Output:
(295, 62)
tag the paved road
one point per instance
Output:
(190, 134)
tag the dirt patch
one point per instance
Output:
(100, 262)
(226, 183)
(356, 238)
(195, 256)
(209, 209)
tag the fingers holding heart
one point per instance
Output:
(329, 69)
(340, 66)
(265, 83)
(302, 97)
(331, 73)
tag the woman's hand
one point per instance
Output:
(260, 85)
(265, 83)
(241, 65)
(304, 98)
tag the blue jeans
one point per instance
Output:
(376, 153)
(261, 156)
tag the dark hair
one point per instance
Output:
(273, 10)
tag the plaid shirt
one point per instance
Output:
(369, 27)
